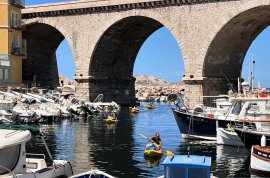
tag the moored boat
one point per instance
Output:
(252, 136)
(227, 136)
(152, 152)
(260, 160)
(18, 163)
(203, 124)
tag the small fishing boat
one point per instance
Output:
(227, 136)
(151, 152)
(187, 166)
(260, 160)
(92, 174)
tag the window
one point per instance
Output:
(15, 42)
(9, 158)
(24, 46)
(1, 73)
(237, 107)
(15, 20)
(6, 74)
(15, 45)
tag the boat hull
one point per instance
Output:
(92, 173)
(260, 161)
(250, 138)
(152, 153)
(197, 127)
(225, 137)
(110, 120)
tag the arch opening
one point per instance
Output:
(112, 62)
(40, 66)
(226, 53)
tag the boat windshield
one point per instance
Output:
(9, 158)
(237, 107)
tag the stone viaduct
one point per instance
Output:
(106, 35)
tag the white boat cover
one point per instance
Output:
(10, 138)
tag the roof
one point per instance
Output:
(185, 161)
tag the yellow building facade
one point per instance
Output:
(12, 46)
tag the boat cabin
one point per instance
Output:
(187, 166)
(12, 151)
(252, 109)
(15, 162)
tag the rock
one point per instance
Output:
(150, 86)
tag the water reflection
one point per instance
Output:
(118, 148)
(152, 162)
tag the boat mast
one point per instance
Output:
(252, 75)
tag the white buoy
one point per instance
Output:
(263, 141)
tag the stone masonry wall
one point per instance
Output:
(193, 26)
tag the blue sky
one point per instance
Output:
(162, 53)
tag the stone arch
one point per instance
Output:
(237, 31)
(43, 40)
(111, 71)
(163, 20)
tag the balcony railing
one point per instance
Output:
(17, 3)
(16, 51)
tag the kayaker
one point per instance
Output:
(157, 140)
(113, 116)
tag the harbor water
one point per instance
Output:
(118, 148)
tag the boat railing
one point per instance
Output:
(13, 174)
(33, 155)
(99, 98)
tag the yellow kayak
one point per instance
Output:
(152, 153)
(110, 120)
(134, 110)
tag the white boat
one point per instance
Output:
(15, 162)
(92, 174)
(202, 124)
(41, 98)
(260, 160)
(227, 136)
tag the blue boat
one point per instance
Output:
(187, 166)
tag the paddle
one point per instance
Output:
(167, 151)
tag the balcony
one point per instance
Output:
(16, 51)
(17, 3)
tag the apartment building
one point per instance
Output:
(12, 46)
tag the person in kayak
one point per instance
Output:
(157, 140)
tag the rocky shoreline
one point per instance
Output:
(148, 88)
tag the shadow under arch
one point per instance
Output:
(41, 64)
(112, 62)
(226, 53)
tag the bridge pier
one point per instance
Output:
(196, 88)
(120, 90)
